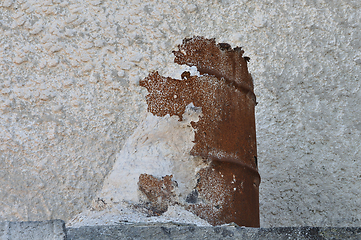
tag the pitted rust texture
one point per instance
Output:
(226, 128)
(159, 192)
(219, 60)
(227, 192)
(225, 132)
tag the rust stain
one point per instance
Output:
(225, 132)
(159, 192)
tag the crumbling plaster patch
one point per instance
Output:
(69, 98)
(159, 147)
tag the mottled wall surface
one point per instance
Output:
(69, 98)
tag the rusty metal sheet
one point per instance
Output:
(225, 133)
(227, 192)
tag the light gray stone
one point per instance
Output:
(35, 230)
(175, 231)
(55, 230)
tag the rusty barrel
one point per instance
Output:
(227, 190)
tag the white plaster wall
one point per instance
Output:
(69, 98)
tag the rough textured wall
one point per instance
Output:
(69, 98)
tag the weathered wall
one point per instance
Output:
(69, 98)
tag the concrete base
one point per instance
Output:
(55, 229)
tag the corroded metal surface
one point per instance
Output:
(227, 190)
(159, 192)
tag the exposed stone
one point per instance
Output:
(35, 230)
(184, 231)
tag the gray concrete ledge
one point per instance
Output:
(52, 230)
(174, 231)
(55, 229)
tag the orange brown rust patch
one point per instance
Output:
(227, 192)
(160, 192)
(225, 132)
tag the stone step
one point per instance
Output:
(55, 229)
(52, 230)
